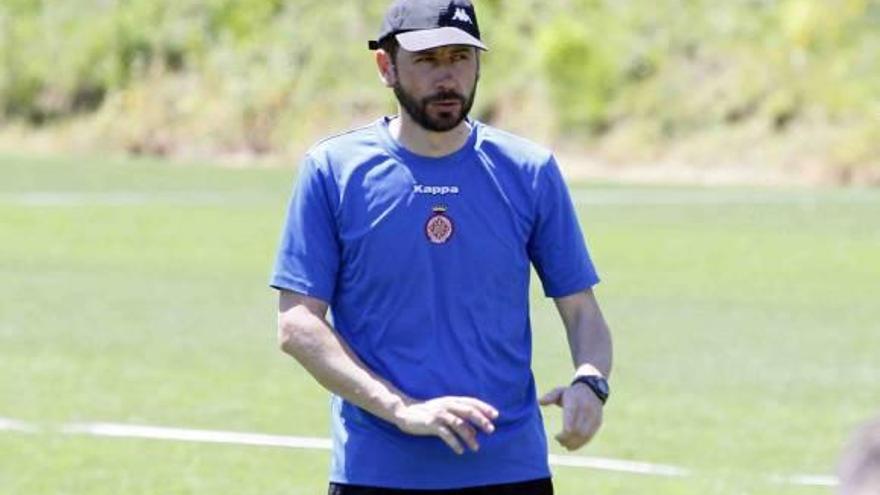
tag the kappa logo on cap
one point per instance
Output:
(462, 15)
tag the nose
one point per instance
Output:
(445, 78)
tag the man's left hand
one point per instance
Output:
(581, 414)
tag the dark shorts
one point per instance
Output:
(534, 487)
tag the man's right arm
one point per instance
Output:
(305, 334)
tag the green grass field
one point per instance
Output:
(745, 323)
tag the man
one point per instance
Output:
(418, 232)
(859, 468)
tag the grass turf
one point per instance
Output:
(745, 331)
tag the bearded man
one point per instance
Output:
(418, 232)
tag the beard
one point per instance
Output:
(443, 121)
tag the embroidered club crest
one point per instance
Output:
(439, 227)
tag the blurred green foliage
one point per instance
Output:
(256, 75)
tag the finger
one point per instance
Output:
(565, 439)
(462, 429)
(474, 415)
(449, 438)
(583, 424)
(595, 424)
(562, 438)
(552, 397)
(583, 434)
(487, 409)
(580, 440)
(589, 420)
(569, 416)
(570, 441)
(577, 415)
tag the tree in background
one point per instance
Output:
(630, 79)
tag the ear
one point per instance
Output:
(386, 68)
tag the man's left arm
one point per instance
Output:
(590, 342)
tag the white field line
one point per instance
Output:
(116, 430)
(187, 435)
(617, 465)
(806, 480)
(7, 424)
(580, 195)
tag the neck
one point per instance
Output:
(424, 142)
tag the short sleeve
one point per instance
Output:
(307, 261)
(556, 244)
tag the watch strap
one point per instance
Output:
(597, 384)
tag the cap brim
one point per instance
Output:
(426, 39)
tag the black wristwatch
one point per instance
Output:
(597, 384)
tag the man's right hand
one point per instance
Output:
(453, 419)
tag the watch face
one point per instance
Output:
(597, 384)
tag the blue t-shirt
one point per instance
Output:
(425, 265)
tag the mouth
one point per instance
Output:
(451, 104)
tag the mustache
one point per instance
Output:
(443, 96)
